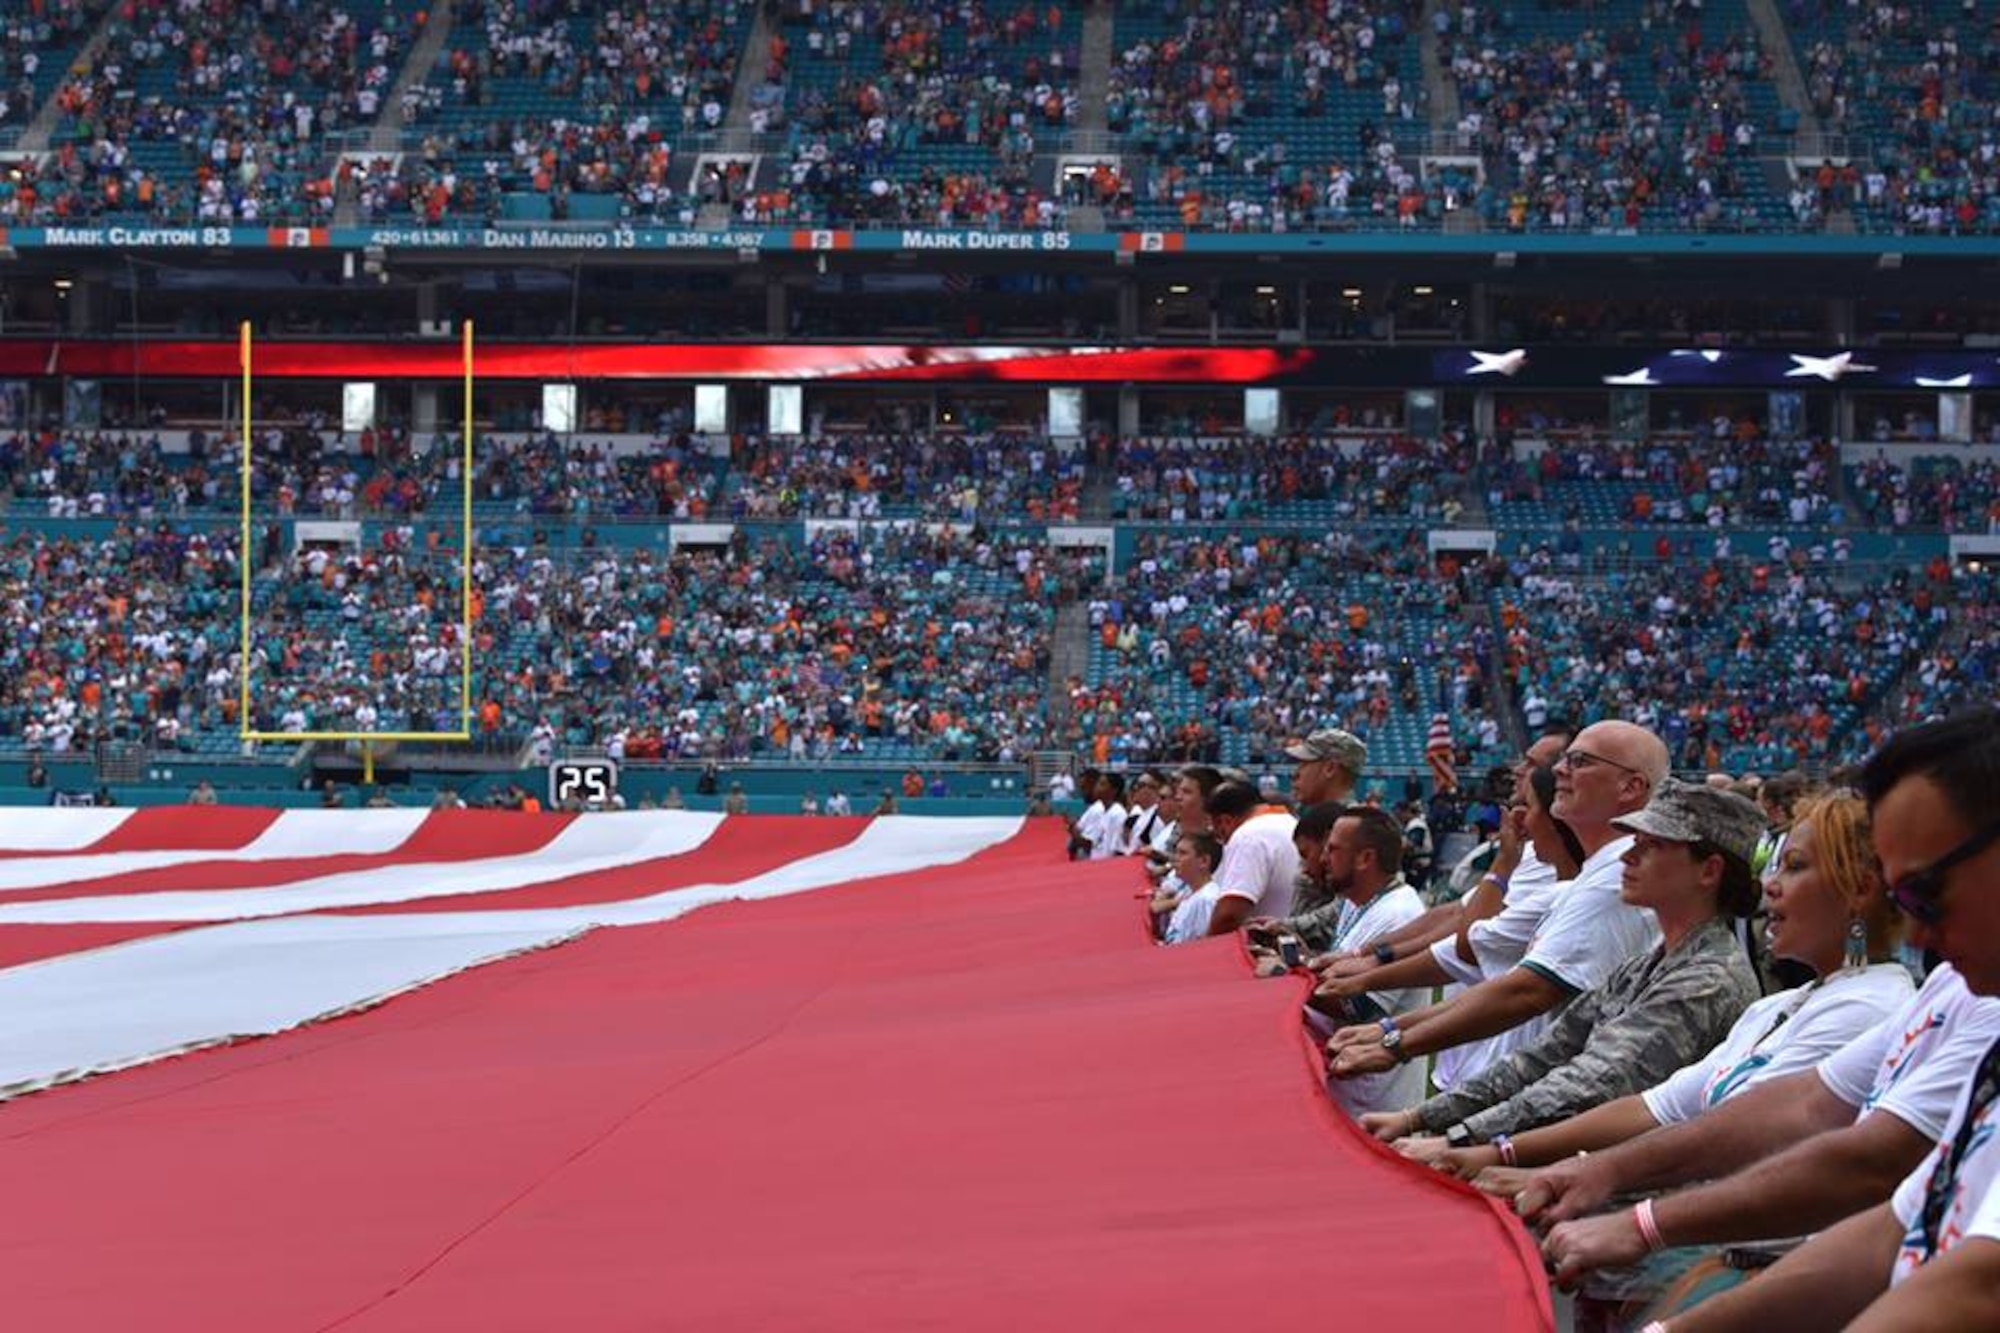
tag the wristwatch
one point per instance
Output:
(1385, 953)
(1392, 1040)
(1458, 1136)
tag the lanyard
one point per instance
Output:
(1939, 1189)
(1341, 934)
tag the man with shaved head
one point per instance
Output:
(1609, 770)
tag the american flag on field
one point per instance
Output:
(236, 922)
(1438, 750)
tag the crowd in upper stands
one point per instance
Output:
(563, 103)
(1729, 473)
(1737, 664)
(1616, 124)
(1249, 115)
(1724, 477)
(1915, 82)
(213, 113)
(1222, 478)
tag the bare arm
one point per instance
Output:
(1491, 1007)
(1821, 1285)
(1599, 1127)
(1750, 1126)
(1419, 969)
(1808, 1186)
(1814, 1184)
(1960, 1289)
(1230, 912)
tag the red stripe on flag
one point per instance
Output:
(738, 850)
(169, 828)
(957, 1097)
(34, 944)
(446, 836)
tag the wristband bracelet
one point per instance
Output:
(1649, 1227)
(1499, 881)
(1504, 1144)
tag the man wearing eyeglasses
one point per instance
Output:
(1609, 770)
(1929, 1257)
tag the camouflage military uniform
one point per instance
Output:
(1653, 1015)
(1314, 909)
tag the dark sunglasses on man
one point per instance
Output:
(1917, 894)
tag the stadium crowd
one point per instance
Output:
(903, 644)
(1728, 476)
(1246, 115)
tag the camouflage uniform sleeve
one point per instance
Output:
(1315, 928)
(1677, 1019)
(1567, 1036)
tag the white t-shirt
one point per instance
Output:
(1089, 822)
(1974, 1210)
(1591, 931)
(1401, 1087)
(1108, 839)
(1260, 862)
(1916, 1063)
(1587, 934)
(1498, 942)
(1146, 825)
(1501, 940)
(1190, 918)
(1782, 1034)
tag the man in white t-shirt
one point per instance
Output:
(1108, 835)
(1259, 861)
(1084, 828)
(1609, 770)
(1145, 817)
(1362, 863)
(1929, 1257)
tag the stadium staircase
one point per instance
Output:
(387, 134)
(1069, 659)
(35, 138)
(1776, 42)
(1506, 709)
(1438, 83)
(751, 72)
(752, 68)
(1093, 81)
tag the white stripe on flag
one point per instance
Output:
(293, 834)
(57, 829)
(157, 997)
(589, 844)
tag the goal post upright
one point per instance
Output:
(366, 739)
